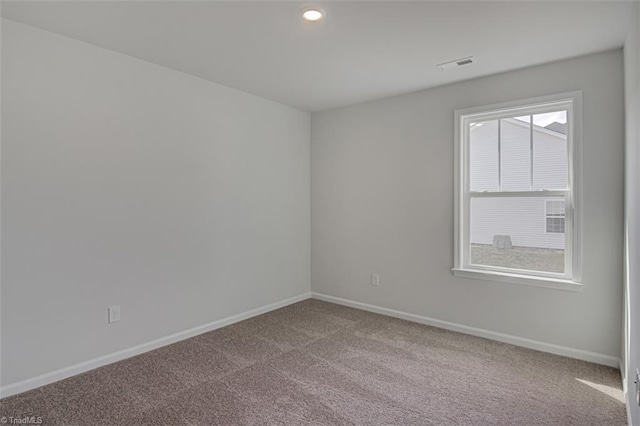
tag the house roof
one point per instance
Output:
(557, 127)
(559, 130)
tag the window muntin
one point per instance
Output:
(516, 196)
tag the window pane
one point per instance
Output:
(555, 216)
(511, 232)
(483, 140)
(515, 149)
(555, 225)
(550, 163)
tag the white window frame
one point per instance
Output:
(569, 280)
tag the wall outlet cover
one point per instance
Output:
(375, 280)
(114, 314)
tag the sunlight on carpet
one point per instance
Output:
(607, 390)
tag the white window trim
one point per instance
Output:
(572, 279)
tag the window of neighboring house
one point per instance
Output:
(555, 216)
(516, 163)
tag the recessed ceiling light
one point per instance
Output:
(312, 14)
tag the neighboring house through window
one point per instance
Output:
(517, 192)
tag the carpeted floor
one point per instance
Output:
(323, 364)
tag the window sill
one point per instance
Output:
(554, 283)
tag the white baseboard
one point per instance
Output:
(625, 392)
(594, 357)
(63, 373)
(627, 401)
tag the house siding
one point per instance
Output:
(523, 219)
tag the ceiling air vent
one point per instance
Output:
(457, 63)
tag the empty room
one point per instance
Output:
(320, 213)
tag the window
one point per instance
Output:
(517, 192)
(555, 216)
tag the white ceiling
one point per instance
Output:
(361, 51)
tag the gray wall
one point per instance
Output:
(382, 202)
(127, 183)
(631, 346)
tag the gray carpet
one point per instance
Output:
(323, 364)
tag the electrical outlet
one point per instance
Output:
(375, 280)
(114, 313)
